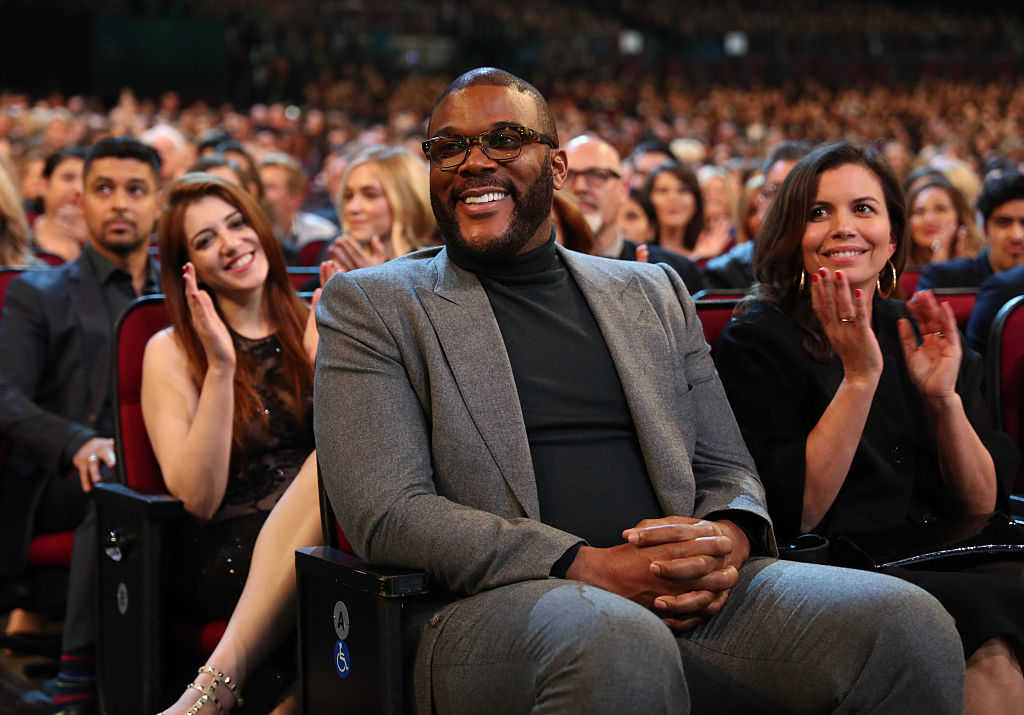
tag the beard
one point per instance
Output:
(123, 244)
(530, 211)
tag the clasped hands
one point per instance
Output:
(679, 567)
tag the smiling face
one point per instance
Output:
(120, 204)
(486, 207)
(848, 227)
(673, 201)
(226, 251)
(933, 218)
(1005, 229)
(366, 211)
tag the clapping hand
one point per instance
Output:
(350, 255)
(311, 337)
(935, 361)
(844, 316)
(212, 332)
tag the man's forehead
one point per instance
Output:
(476, 108)
(72, 163)
(120, 169)
(592, 154)
(1013, 208)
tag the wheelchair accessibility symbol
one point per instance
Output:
(341, 659)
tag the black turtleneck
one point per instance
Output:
(591, 476)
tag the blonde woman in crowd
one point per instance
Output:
(384, 206)
(14, 230)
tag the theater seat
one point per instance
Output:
(714, 314)
(310, 252)
(138, 632)
(356, 622)
(1004, 361)
(908, 282)
(961, 300)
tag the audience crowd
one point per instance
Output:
(658, 171)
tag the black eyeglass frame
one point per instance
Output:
(592, 177)
(528, 136)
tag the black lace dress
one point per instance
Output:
(215, 554)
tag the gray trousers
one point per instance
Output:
(792, 638)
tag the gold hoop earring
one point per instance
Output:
(892, 284)
(803, 276)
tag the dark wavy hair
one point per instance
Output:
(778, 257)
(689, 179)
(286, 310)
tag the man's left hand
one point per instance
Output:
(704, 548)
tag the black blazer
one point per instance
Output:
(956, 273)
(55, 373)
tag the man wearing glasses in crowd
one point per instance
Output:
(595, 178)
(522, 422)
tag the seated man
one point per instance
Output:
(595, 177)
(1004, 247)
(1002, 205)
(544, 433)
(56, 405)
(284, 187)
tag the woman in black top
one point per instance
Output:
(863, 417)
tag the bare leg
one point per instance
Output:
(265, 613)
(994, 683)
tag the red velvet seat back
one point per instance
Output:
(961, 300)
(908, 282)
(137, 464)
(310, 252)
(1005, 360)
(714, 314)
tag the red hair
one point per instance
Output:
(287, 312)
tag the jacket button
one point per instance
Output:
(435, 619)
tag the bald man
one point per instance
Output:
(595, 177)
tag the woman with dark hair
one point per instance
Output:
(227, 390)
(864, 415)
(942, 225)
(637, 218)
(678, 208)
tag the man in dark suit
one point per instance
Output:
(1002, 205)
(595, 177)
(56, 406)
(545, 434)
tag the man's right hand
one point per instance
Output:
(88, 457)
(681, 598)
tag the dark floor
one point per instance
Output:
(20, 692)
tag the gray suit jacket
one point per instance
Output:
(421, 438)
(420, 434)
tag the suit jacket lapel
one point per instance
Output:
(91, 311)
(468, 333)
(645, 363)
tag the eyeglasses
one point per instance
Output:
(594, 178)
(502, 145)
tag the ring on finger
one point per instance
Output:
(941, 335)
(847, 321)
(93, 457)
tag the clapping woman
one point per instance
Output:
(863, 414)
(227, 390)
